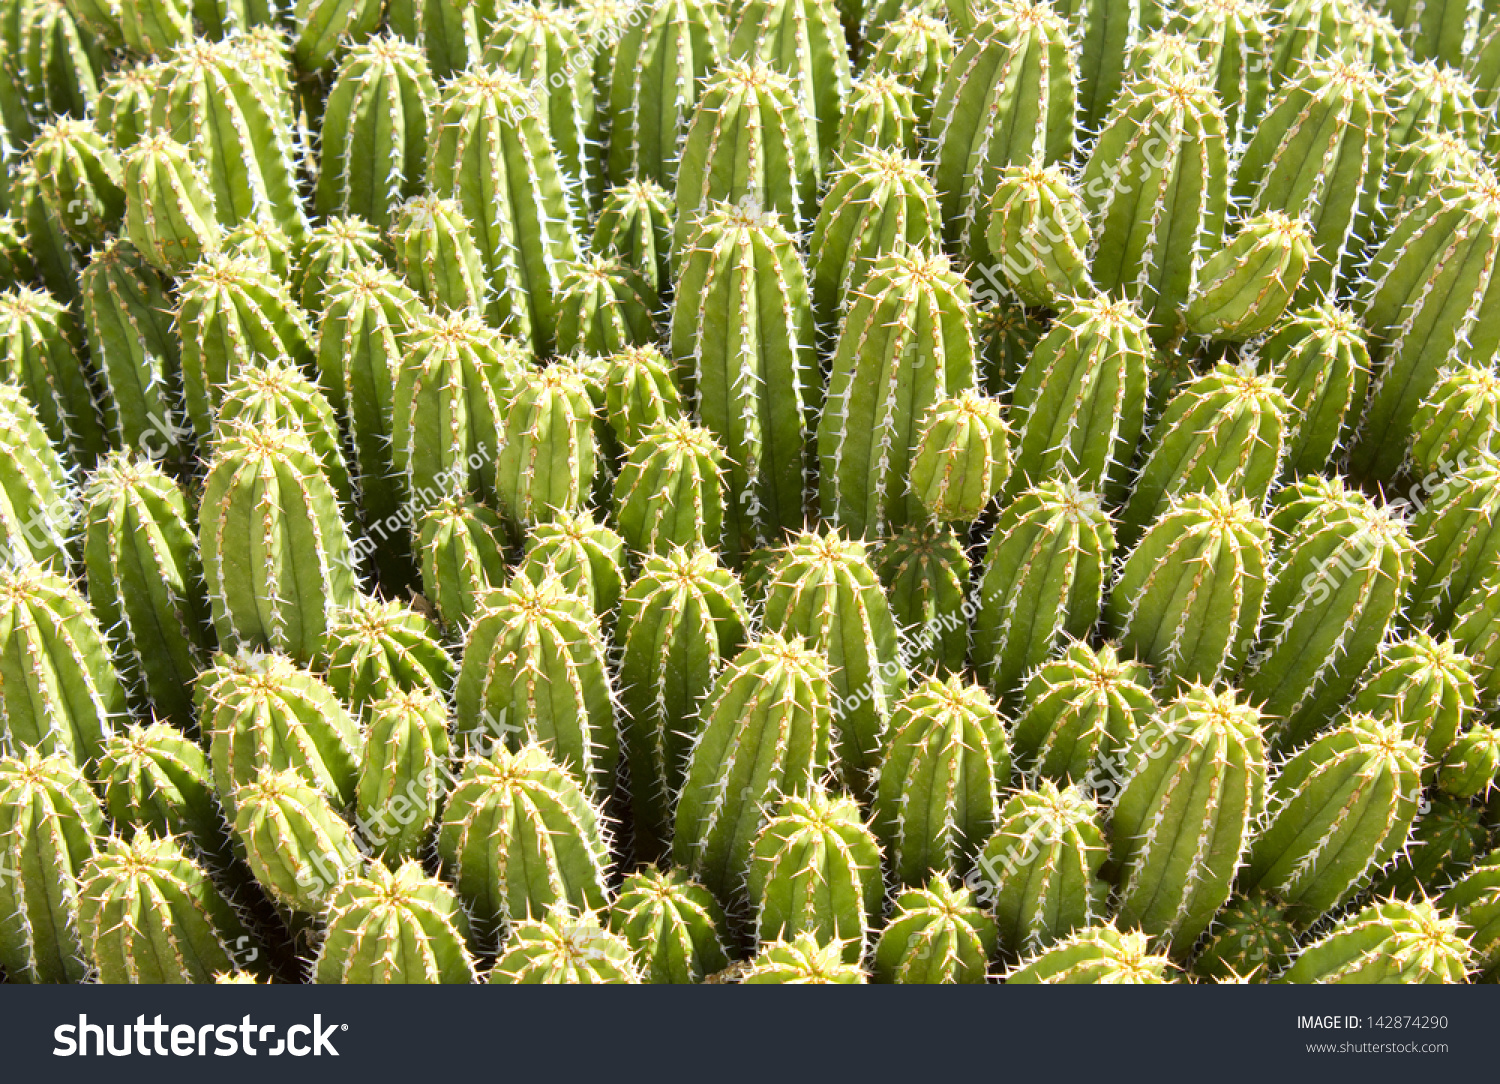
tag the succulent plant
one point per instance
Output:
(935, 936)
(804, 41)
(1193, 790)
(1448, 835)
(50, 823)
(1038, 875)
(962, 458)
(1337, 811)
(294, 842)
(565, 947)
(534, 669)
(1097, 955)
(40, 353)
(149, 914)
(672, 924)
(1044, 576)
(547, 454)
(681, 619)
(1250, 939)
(804, 961)
(1317, 357)
(1080, 712)
(1038, 229)
(1386, 943)
(1424, 683)
(635, 224)
(519, 838)
(1473, 900)
(394, 927)
(926, 576)
(775, 696)
(670, 490)
(170, 216)
(402, 774)
(945, 763)
(1470, 767)
(158, 781)
(37, 500)
(463, 557)
(435, 250)
(815, 868)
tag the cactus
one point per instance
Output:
(823, 589)
(437, 254)
(547, 455)
(1188, 598)
(1080, 401)
(804, 961)
(682, 617)
(603, 307)
(815, 868)
(916, 48)
(1195, 788)
(326, 29)
(1458, 547)
(275, 395)
(246, 152)
(145, 581)
(1338, 811)
(260, 713)
(276, 553)
(1155, 266)
(232, 310)
(1429, 304)
(776, 692)
(1318, 359)
(672, 924)
(368, 319)
(1038, 230)
(1008, 100)
(374, 131)
(1081, 712)
(59, 691)
(1038, 875)
(587, 556)
(877, 204)
(39, 352)
(884, 377)
(880, 114)
(565, 948)
(1472, 763)
(945, 763)
(748, 145)
(1445, 840)
(263, 242)
(635, 225)
(1432, 98)
(1097, 956)
(537, 42)
(670, 490)
(50, 823)
(170, 216)
(1386, 943)
(376, 649)
(1243, 289)
(16, 266)
(80, 178)
(1341, 576)
(491, 153)
(1044, 577)
(128, 326)
(53, 255)
(36, 495)
(294, 843)
(1458, 417)
(1225, 430)
(1425, 684)
(448, 407)
(157, 781)
(742, 336)
(401, 927)
(936, 935)
(1473, 900)
(926, 576)
(962, 458)
(463, 556)
(58, 60)
(661, 63)
(1251, 939)
(1317, 155)
(534, 670)
(519, 838)
(1233, 41)
(154, 28)
(803, 40)
(451, 32)
(639, 394)
(149, 914)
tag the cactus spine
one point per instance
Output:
(400, 927)
(672, 924)
(1081, 712)
(935, 936)
(1386, 943)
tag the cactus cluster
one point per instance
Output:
(785, 491)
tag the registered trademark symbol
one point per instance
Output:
(343, 1027)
